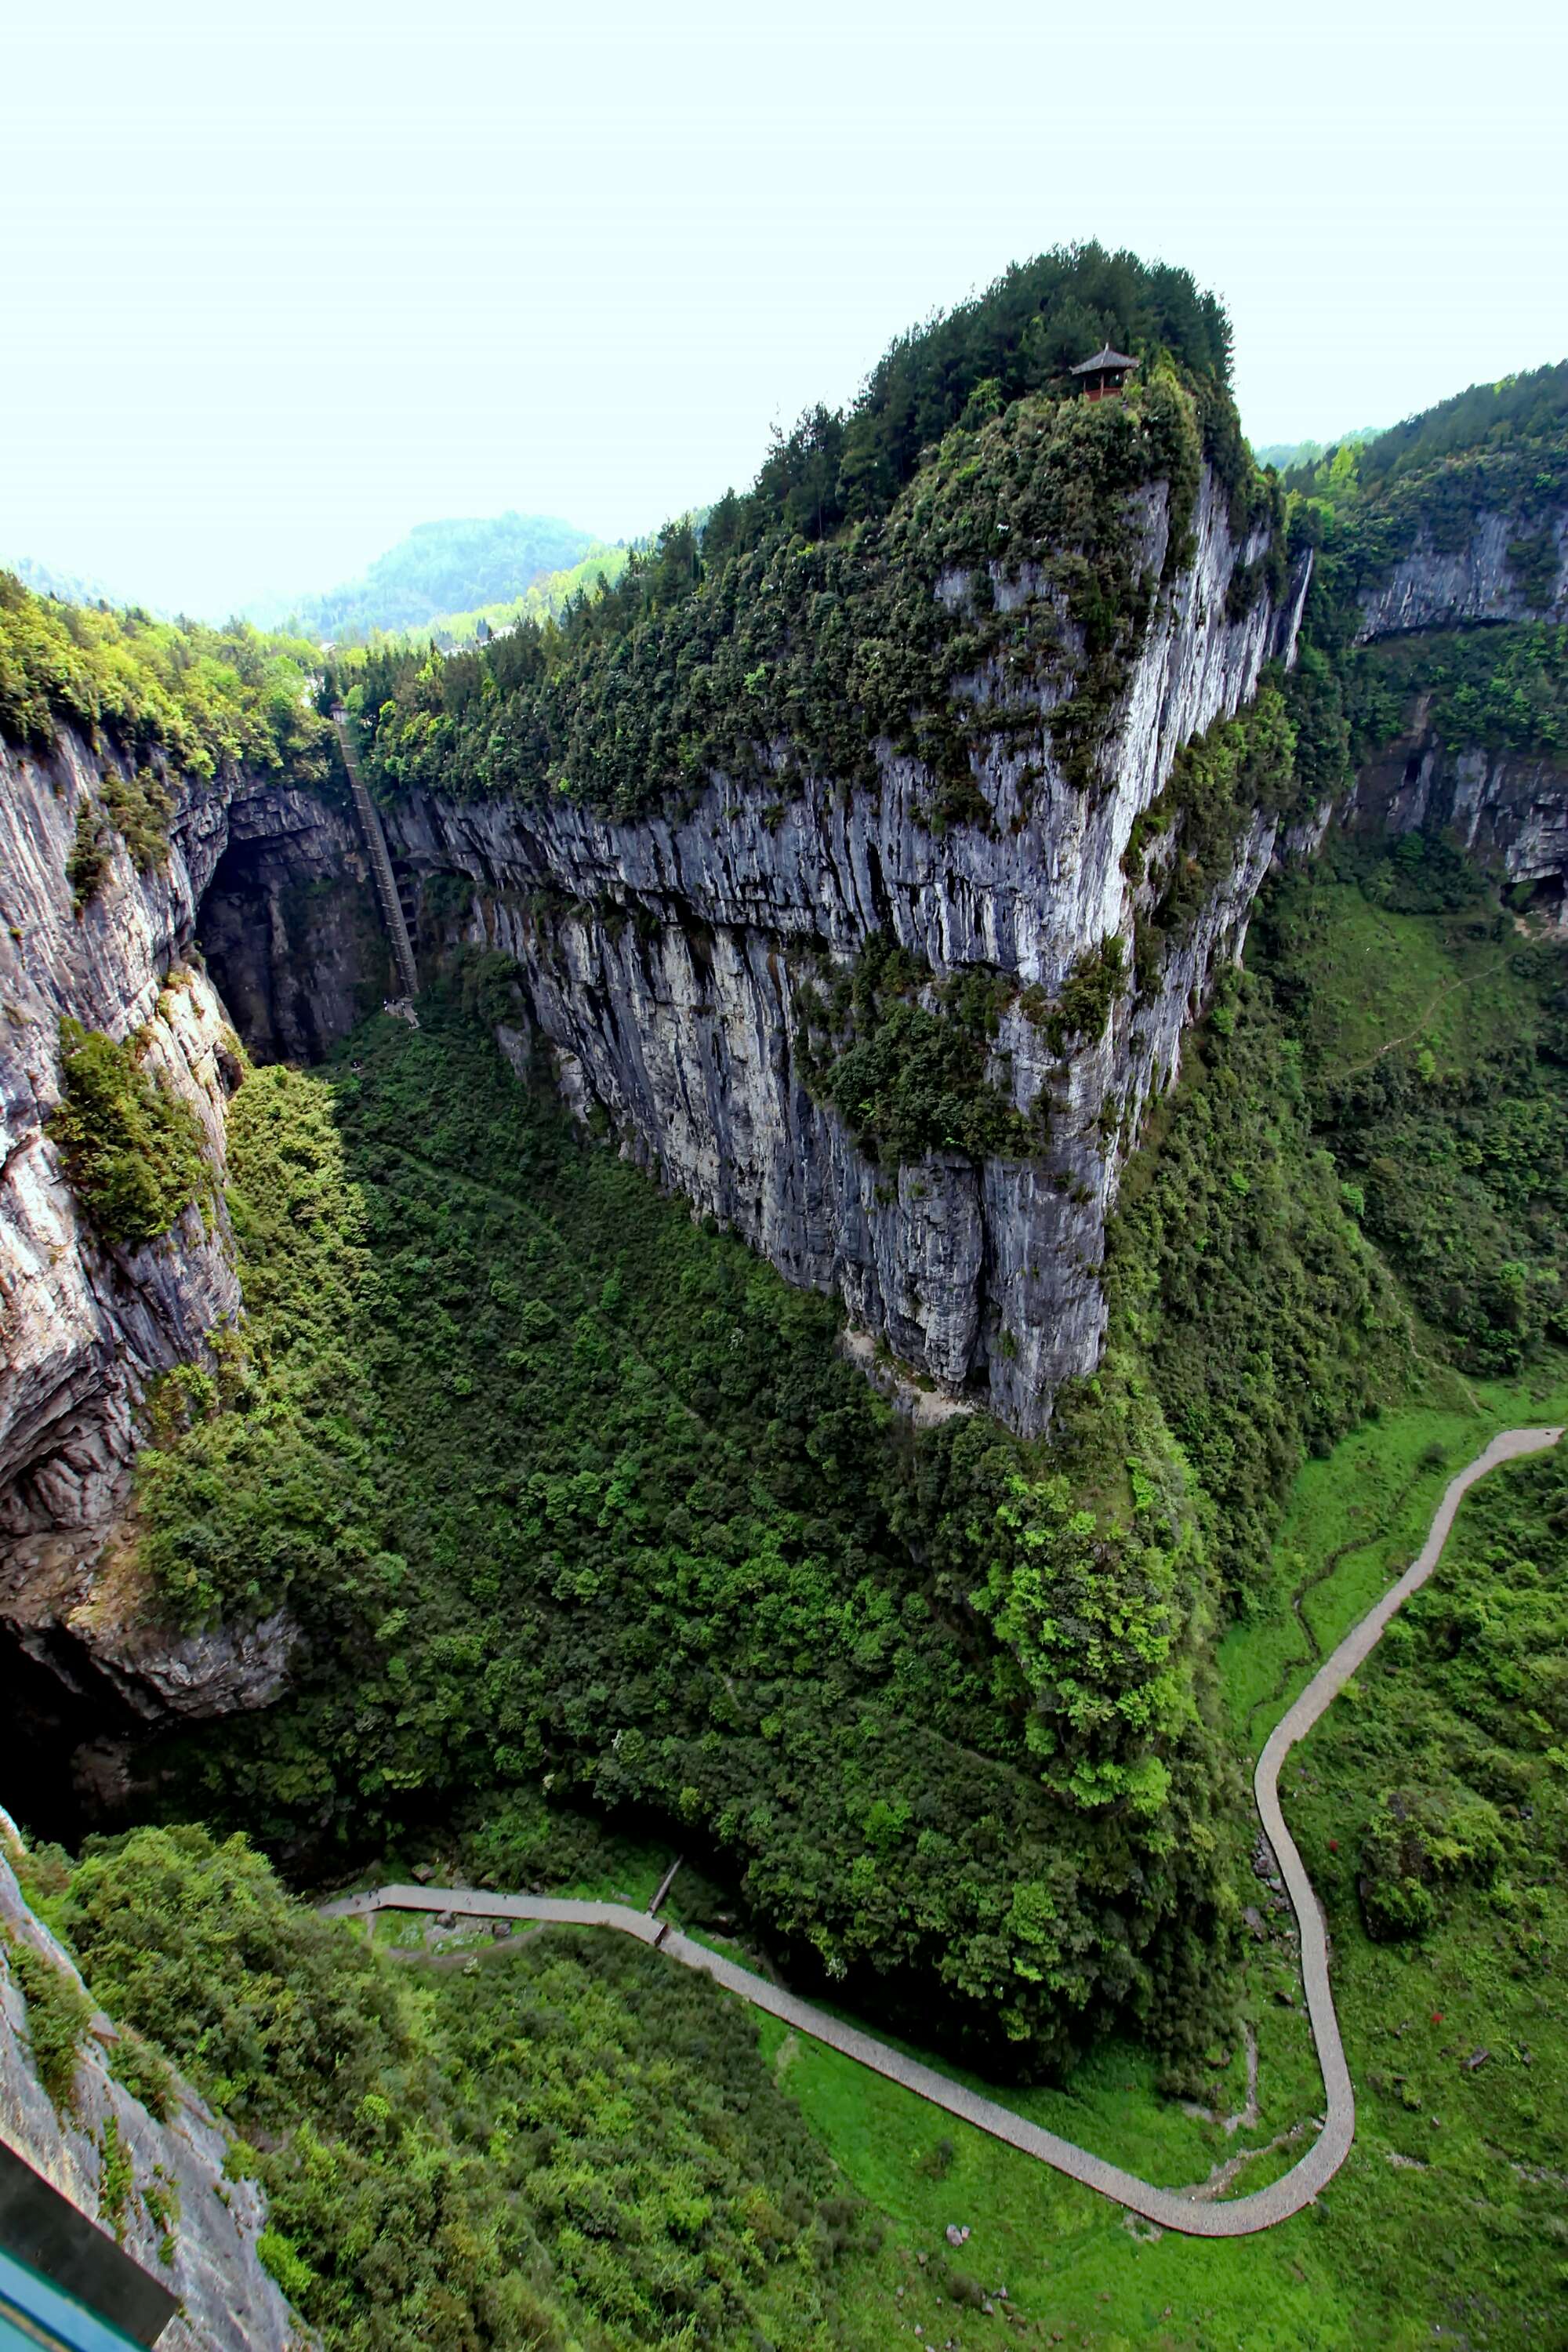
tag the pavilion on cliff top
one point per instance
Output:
(1105, 374)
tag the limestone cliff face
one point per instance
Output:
(85, 1325)
(1478, 581)
(1509, 809)
(228, 2304)
(661, 960)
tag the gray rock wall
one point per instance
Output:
(660, 960)
(1506, 808)
(84, 1325)
(1443, 588)
(289, 927)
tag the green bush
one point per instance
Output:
(140, 808)
(1082, 1014)
(57, 2017)
(575, 2143)
(197, 1946)
(88, 853)
(1505, 689)
(907, 1077)
(132, 1151)
(1413, 1850)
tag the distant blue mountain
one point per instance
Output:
(45, 581)
(441, 567)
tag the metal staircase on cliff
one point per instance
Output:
(393, 913)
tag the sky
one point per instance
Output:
(281, 282)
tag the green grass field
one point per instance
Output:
(1355, 1521)
(1385, 978)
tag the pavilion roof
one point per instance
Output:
(1102, 360)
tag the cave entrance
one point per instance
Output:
(74, 1742)
(295, 954)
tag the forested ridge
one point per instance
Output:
(197, 697)
(803, 613)
(447, 567)
(1497, 449)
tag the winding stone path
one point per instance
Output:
(1173, 2209)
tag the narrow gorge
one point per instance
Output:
(691, 976)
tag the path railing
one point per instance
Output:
(380, 864)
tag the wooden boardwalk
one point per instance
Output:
(1241, 2216)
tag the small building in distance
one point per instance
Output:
(1105, 374)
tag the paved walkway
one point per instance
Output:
(1173, 2209)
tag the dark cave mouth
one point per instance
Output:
(298, 958)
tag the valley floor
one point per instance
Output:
(1396, 2252)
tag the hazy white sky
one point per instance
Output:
(280, 281)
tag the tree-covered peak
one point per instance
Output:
(830, 636)
(458, 565)
(1022, 335)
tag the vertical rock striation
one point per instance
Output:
(661, 958)
(1507, 808)
(85, 1324)
(1439, 585)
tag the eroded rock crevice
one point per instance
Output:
(87, 1324)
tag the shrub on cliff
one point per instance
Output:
(132, 1151)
